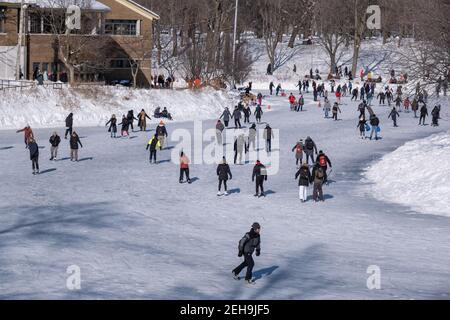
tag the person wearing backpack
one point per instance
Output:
(153, 144)
(374, 122)
(309, 149)
(317, 179)
(260, 174)
(323, 161)
(223, 172)
(250, 243)
(303, 182)
(298, 148)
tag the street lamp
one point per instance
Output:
(234, 44)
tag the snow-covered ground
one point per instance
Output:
(415, 175)
(93, 106)
(135, 232)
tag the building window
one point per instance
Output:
(120, 64)
(35, 23)
(121, 27)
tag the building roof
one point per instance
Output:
(83, 4)
(139, 9)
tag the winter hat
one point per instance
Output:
(256, 226)
(258, 162)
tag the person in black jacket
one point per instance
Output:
(250, 243)
(423, 114)
(131, 118)
(260, 174)
(161, 132)
(124, 125)
(247, 113)
(323, 161)
(258, 113)
(112, 126)
(374, 122)
(54, 141)
(237, 117)
(153, 144)
(394, 114)
(310, 148)
(435, 113)
(74, 141)
(34, 155)
(303, 182)
(223, 172)
(69, 125)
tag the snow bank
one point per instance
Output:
(416, 175)
(92, 106)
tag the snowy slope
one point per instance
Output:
(47, 107)
(415, 175)
(135, 232)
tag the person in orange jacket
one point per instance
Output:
(292, 101)
(28, 134)
(184, 167)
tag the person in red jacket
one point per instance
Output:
(292, 101)
(28, 134)
(184, 167)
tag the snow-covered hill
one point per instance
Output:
(415, 175)
(93, 106)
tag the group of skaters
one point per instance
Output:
(54, 140)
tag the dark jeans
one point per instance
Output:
(35, 163)
(237, 123)
(226, 122)
(184, 171)
(247, 119)
(422, 117)
(309, 154)
(318, 192)
(260, 184)
(269, 145)
(249, 263)
(258, 119)
(68, 130)
(335, 116)
(224, 184)
(153, 155)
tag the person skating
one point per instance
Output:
(355, 94)
(394, 114)
(268, 136)
(223, 173)
(259, 176)
(239, 148)
(309, 149)
(362, 109)
(161, 133)
(435, 114)
(382, 97)
(250, 243)
(292, 102)
(54, 140)
(323, 161)
(362, 127)
(142, 120)
(247, 113)
(327, 108)
(259, 97)
(131, 118)
(27, 134)
(303, 182)
(252, 137)
(301, 103)
(153, 144)
(336, 110)
(374, 122)
(34, 155)
(298, 148)
(406, 104)
(184, 168)
(69, 125)
(278, 89)
(226, 115)
(219, 132)
(74, 141)
(112, 126)
(317, 178)
(125, 125)
(415, 107)
(423, 114)
(258, 113)
(271, 86)
(237, 118)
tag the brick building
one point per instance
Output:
(114, 35)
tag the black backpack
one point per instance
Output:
(309, 144)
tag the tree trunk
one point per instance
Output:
(293, 37)
(174, 42)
